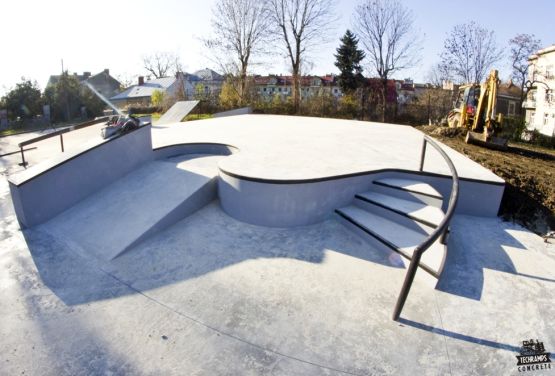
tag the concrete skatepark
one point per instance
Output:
(215, 247)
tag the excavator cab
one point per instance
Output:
(475, 109)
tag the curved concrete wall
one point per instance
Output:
(288, 204)
(194, 148)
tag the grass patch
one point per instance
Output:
(192, 117)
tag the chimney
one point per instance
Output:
(141, 80)
(107, 71)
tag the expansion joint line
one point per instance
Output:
(444, 339)
(229, 335)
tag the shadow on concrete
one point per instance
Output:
(474, 247)
(459, 336)
(205, 242)
(73, 343)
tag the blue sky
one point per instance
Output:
(93, 35)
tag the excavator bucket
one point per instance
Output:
(481, 139)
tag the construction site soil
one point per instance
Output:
(529, 173)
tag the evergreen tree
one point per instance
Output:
(348, 60)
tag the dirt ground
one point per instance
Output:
(529, 173)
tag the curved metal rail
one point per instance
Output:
(439, 231)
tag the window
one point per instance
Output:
(264, 89)
(532, 117)
(512, 107)
(545, 119)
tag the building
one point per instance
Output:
(185, 85)
(140, 95)
(103, 82)
(508, 100)
(210, 80)
(269, 86)
(408, 91)
(540, 99)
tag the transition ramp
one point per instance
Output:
(138, 205)
(177, 112)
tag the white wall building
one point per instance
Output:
(540, 100)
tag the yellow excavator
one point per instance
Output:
(475, 109)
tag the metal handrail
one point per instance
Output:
(58, 132)
(439, 231)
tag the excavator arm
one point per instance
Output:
(486, 121)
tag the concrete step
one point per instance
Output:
(140, 204)
(389, 235)
(417, 216)
(409, 189)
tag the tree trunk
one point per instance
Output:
(243, 86)
(296, 90)
(384, 99)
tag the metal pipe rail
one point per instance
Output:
(439, 231)
(60, 133)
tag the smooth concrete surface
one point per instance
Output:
(281, 202)
(298, 148)
(135, 207)
(290, 171)
(214, 296)
(48, 148)
(46, 189)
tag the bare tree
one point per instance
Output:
(386, 31)
(126, 80)
(241, 28)
(469, 52)
(162, 64)
(301, 24)
(437, 75)
(522, 46)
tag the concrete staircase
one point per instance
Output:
(397, 215)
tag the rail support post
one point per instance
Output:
(62, 141)
(423, 154)
(409, 278)
(23, 163)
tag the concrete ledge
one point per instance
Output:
(47, 189)
(237, 111)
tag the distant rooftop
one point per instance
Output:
(146, 89)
